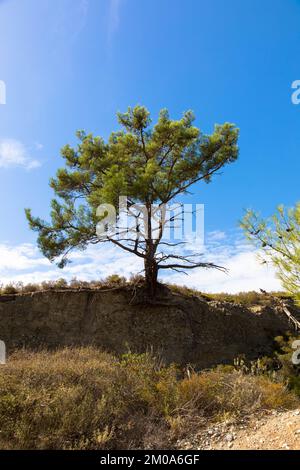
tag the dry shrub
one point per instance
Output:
(247, 299)
(30, 288)
(80, 398)
(77, 284)
(62, 284)
(83, 398)
(116, 280)
(9, 289)
(230, 392)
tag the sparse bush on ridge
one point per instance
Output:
(243, 298)
(82, 398)
(247, 298)
(10, 289)
(115, 280)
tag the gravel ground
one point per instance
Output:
(272, 430)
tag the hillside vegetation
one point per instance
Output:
(114, 281)
(82, 398)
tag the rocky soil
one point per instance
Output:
(269, 431)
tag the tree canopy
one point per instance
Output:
(279, 239)
(149, 165)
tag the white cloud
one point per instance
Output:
(20, 258)
(245, 272)
(25, 263)
(216, 235)
(13, 153)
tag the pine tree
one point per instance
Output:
(149, 165)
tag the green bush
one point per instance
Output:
(288, 372)
(115, 280)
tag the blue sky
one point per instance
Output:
(71, 64)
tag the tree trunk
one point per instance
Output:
(151, 272)
(151, 268)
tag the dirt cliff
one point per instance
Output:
(183, 329)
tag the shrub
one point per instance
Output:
(116, 280)
(61, 284)
(77, 284)
(82, 398)
(9, 289)
(288, 372)
(244, 298)
(137, 279)
(247, 299)
(279, 367)
(79, 398)
(30, 288)
(218, 392)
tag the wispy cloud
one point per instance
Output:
(14, 153)
(113, 20)
(245, 272)
(217, 235)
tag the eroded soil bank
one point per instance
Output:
(182, 329)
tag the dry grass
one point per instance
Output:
(219, 392)
(244, 298)
(86, 399)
